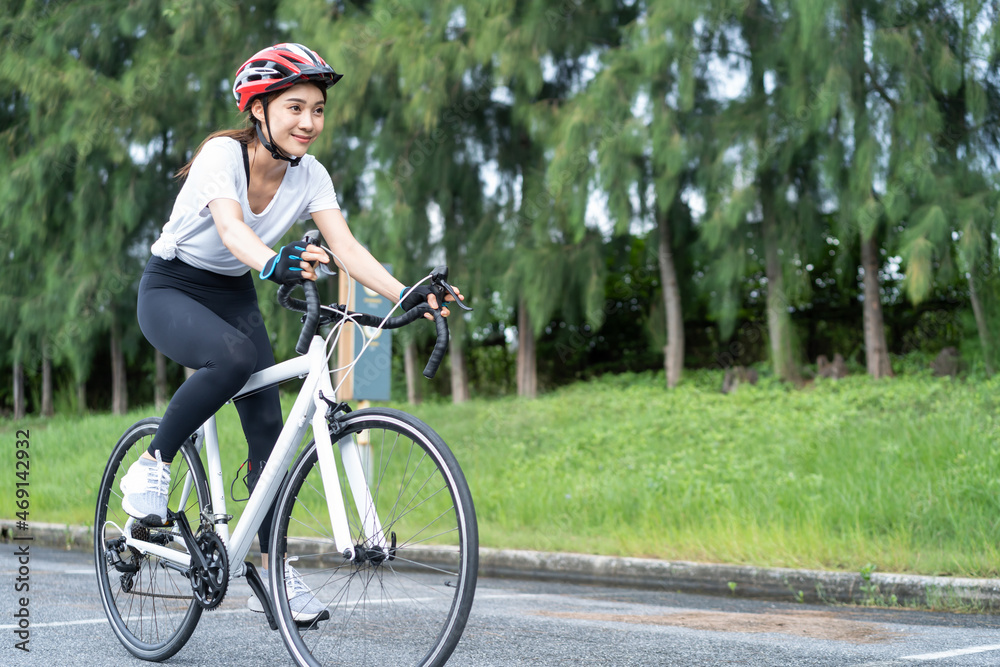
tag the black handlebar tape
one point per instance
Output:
(284, 299)
(312, 317)
(311, 307)
(440, 347)
(290, 302)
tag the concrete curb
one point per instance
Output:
(732, 580)
(743, 580)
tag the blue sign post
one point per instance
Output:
(373, 373)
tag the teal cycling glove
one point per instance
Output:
(284, 267)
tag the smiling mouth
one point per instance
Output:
(301, 139)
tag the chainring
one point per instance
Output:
(210, 584)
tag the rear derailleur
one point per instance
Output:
(128, 560)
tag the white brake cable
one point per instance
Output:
(336, 329)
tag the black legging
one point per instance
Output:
(210, 322)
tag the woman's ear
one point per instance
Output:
(257, 110)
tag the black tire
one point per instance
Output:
(153, 613)
(410, 609)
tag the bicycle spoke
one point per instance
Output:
(395, 605)
(157, 614)
(410, 543)
(400, 575)
(397, 518)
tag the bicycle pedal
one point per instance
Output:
(311, 625)
(153, 521)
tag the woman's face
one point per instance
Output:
(296, 117)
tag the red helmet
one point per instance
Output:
(278, 67)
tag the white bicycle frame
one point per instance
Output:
(309, 407)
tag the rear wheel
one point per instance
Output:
(151, 607)
(402, 603)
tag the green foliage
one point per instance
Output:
(518, 141)
(839, 476)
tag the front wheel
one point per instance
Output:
(404, 600)
(151, 607)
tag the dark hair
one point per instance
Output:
(245, 135)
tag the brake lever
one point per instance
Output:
(439, 278)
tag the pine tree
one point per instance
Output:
(951, 73)
(763, 192)
(556, 256)
(641, 116)
(111, 101)
(412, 116)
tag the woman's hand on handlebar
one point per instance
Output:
(445, 311)
(423, 293)
(294, 263)
(312, 254)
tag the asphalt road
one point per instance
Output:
(522, 623)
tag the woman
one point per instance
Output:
(244, 190)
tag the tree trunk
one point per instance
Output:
(47, 407)
(20, 409)
(779, 322)
(81, 397)
(160, 384)
(984, 332)
(876, 349)
(459, 373)
(527, 366)
(673, 353)
(412, 372)
(119, 390)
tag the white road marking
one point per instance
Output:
(951, 654)
(94, 621)
(217, 612)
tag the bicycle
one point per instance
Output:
(382, 526)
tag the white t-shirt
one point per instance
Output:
(217, 173)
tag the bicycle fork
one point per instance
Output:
(357, 479)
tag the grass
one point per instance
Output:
(902, 474)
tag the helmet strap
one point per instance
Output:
(273, 149)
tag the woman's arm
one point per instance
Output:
(246, 246)
(360, 263)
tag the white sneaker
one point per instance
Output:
(145, 487)
(304, 604)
